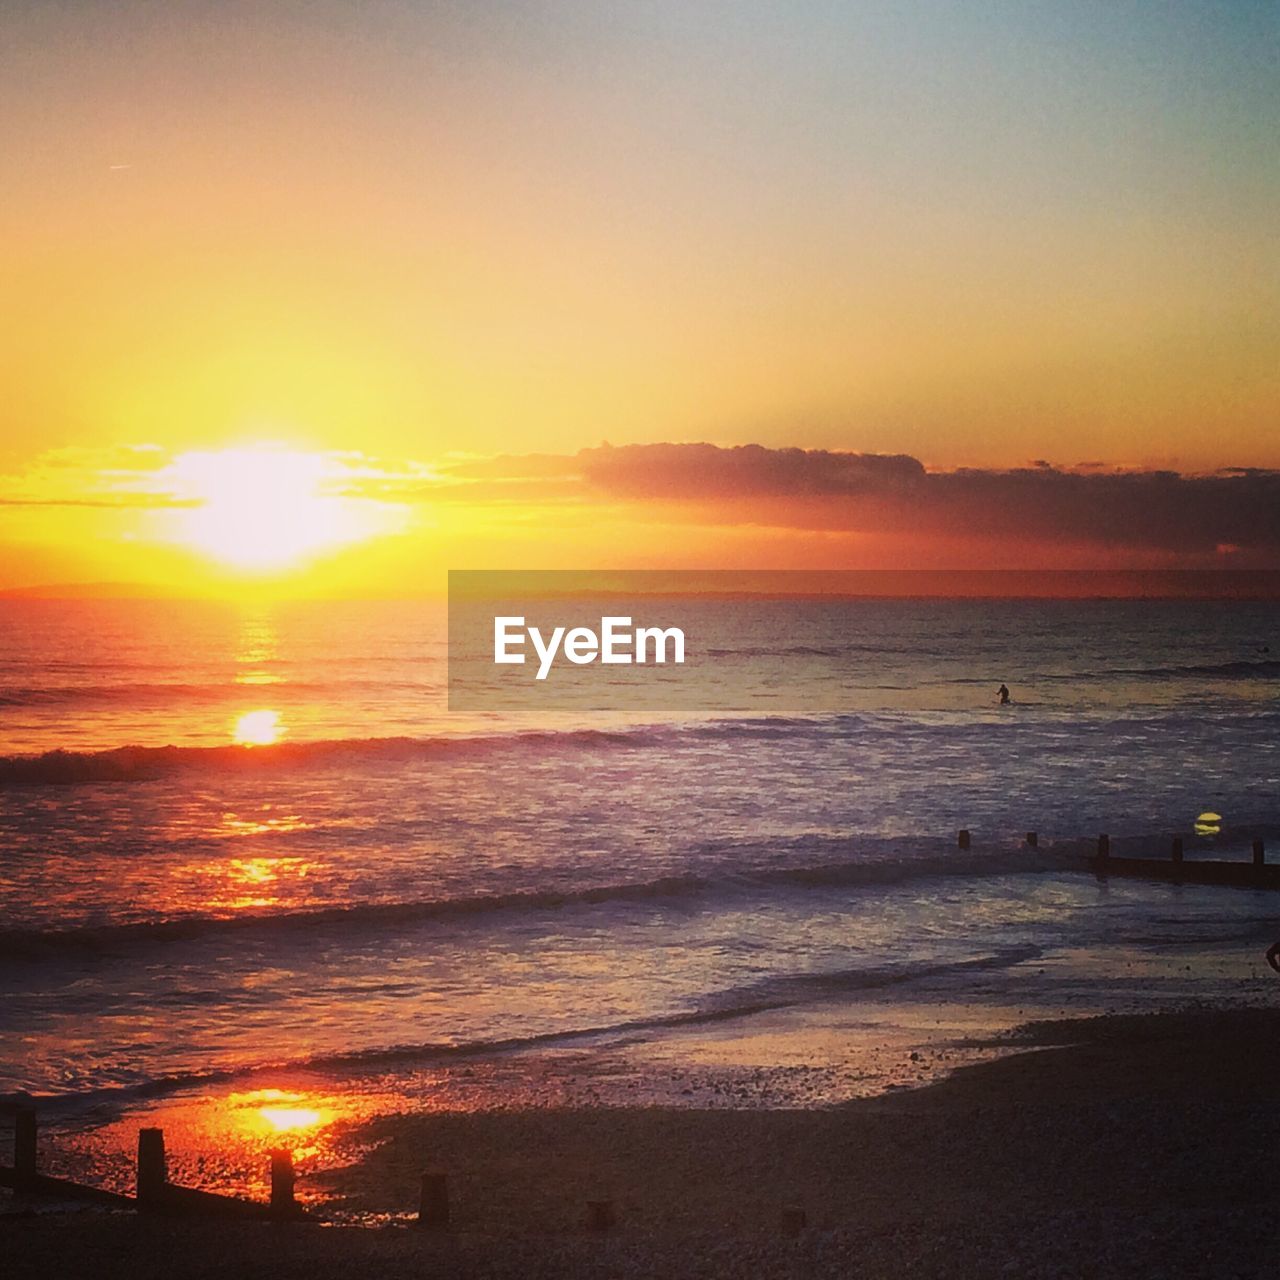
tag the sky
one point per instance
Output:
(344, 294)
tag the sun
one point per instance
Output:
(266, 508)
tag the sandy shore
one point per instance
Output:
(1139, 1146)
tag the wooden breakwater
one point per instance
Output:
(1176, 869)
(157, 1195)
(24, 1176)
(1257, 873)
(154, 1193)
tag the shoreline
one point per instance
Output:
(1116, 1145)
(1048, 1077)
(813, 1055)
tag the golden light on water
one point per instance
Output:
(267, 1113)
(258, 649)
(256, 870)
(240, 884)
(221, 1141)
(286, 1119)
(233, 826)
(260, 728)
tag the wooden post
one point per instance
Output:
(24, 1145)
(964, 840)
(1175, 851)
(433, 1202)
(282, 1180)
(600, 1215)
(1033, 840)
(1104, 848)
(794, 1221)
(1259, 854)
(152, 1174)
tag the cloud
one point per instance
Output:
(120, 502)
(1235, 510)
(1159, 510)
(149, 477)
(118, 477)
(1230, 516)
(697, 471)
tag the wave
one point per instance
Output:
(148, 764)
(132, 692)
(780, 992)
(31, 943)
(1266, 668)
(1240, 669)
(129, 764)
(798, 651)
(1236, 669)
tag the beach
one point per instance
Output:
(1112, 1146)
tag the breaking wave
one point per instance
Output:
(37, 943)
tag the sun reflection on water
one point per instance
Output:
(222, 1141)
(258, 649)
(233, 825)
(286, 1119)
(241, 883)
(263, 1113)
(259, 728)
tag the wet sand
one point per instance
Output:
(1135, 1146)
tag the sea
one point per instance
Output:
(236, 836)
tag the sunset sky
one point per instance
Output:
(337, 296)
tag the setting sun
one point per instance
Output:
(264, 508)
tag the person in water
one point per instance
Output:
(1003, 694)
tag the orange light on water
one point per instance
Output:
(239, 884)
(255, 870)
(258, 728)
(233, 827)
(219, 1141)
(265, 1114)
(289, 1119)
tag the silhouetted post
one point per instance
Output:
(152, 1174)
(433, 1202)
(1175, 851)
(600, 1215)
(1033, 840)
(964, 840)
(794, 1221)
(24, 1145)
(1259, 854)
(1104, 848)
(282, 1180)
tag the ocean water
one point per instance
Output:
(232, 837)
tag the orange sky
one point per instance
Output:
(396, 239)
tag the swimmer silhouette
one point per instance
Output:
(1273, 956)
(1003, 694)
